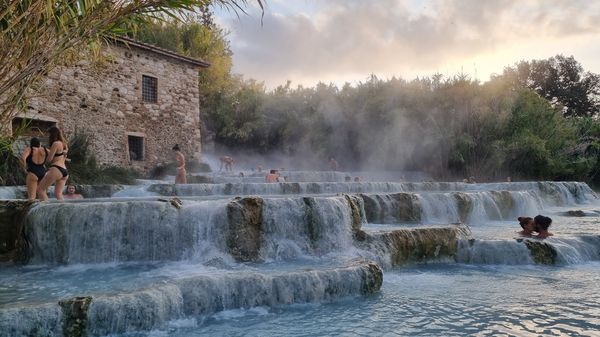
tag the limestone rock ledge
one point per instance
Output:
(152, 306)
(14, 246)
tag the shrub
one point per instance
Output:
(11, 171)
(84, 169)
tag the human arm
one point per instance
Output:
(23, 158)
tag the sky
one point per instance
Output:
(338, 41)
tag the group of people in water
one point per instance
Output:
(39, 176)
(536, 227)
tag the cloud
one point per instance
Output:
(341, 39)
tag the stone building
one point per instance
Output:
(135, 104)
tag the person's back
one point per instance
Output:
(38, 155)
(271, 176)
(33, 160)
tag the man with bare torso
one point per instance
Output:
(227, 162)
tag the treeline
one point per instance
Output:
(537, 120)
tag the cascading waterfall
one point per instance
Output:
(40, 320)
(278, 244)
(560, 193)
(12, 192)
(121, 231)
(570, 250)
(493, 252)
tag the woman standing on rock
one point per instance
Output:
(180, 178)
(57, 171)
(33, 160)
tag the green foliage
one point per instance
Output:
(84, 170)
(562, 81)
(11, 168)
(537, 138)
(451, 127)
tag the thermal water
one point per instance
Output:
(306, 258)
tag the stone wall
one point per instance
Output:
(105, 101)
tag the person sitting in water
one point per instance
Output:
(347, 178)
(541, 226)
(72, 193)
(272, 176)
(528, 226)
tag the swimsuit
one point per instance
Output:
(39, 170)
(62, 170)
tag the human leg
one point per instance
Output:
(60, 187)
(52, 175)
(31, 181)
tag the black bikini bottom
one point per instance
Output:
(62, 170)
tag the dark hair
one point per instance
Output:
(524, 220)
(34, 142)
(273, 171)
(542, 222)
(176, 147)
(57, 135)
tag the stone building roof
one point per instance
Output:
(145, 46)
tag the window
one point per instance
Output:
(149, 89)
(136, 148)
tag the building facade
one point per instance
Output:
(135, 104)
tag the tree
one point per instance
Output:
(36, 35)
(562, 81)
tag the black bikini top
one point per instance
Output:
(59, 154)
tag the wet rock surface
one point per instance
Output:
(541, 252)
(14, 245)
(575, 213)
(404, 246)
(243, 237)
(75, 316)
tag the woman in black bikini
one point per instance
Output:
(57, 171)
(34, 158)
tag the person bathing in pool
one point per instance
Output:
(539, 225)
(528, 226)
(542, 223)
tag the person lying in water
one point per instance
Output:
(528, 226)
